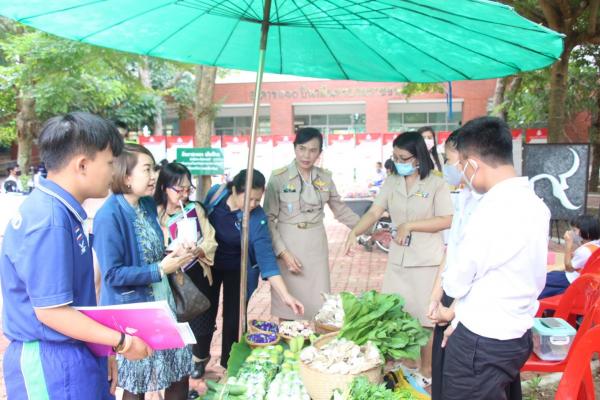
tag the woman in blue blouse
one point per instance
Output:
(224, 204)
(130, 248)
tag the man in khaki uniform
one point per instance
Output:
(294, 202)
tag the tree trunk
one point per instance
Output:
(204, 115)
(146, 79)
(595, 142)
(558, 96)
(498, 108)
(26, 128)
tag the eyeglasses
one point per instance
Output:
(401, 159)
(182, 189)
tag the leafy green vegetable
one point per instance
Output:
(381, 319)
(362, 389)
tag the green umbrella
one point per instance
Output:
(370, 40)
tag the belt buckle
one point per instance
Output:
(303, 225)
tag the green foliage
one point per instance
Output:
(410, 89)
(381, 319)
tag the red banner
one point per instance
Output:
(157, 146)
(368, 137)
(536, 135)
(442, 136)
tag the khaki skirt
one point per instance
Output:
(414, 284)
(310, 247)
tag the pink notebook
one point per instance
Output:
(153, 322)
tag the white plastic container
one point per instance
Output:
(552, 338)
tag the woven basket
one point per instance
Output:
(320, 385)
(324, 328)
(257, 345)
(254, 329)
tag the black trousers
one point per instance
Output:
(204, 326)
(476, 367)
(437, 354)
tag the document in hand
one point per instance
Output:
(153, 322)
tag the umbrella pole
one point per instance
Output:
(250, 168)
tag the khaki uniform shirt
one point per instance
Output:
(290, 200)
(426, 199)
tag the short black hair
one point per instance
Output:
(306, 134)
(12, 166)
(414, 143)
(239, 181)
(453, 138)
(489, 138)
(122, 125)
(588, 225)
(63, 137)
(389, 166)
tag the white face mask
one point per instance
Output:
(469, 181)
(429, 143)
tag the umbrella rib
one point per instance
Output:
(420, 50)
(366, 45)
(202, 5)
(336, 7)
(125, 20)
(249, 7)
(227, 40)
(61, 10)
(279, 38)
(469, 30)
(176, 32)
(308, 3)
(534, 27)
(325, 43)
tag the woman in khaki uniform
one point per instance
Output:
(420, 207)
(295, 204)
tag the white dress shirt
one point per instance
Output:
(500, 266)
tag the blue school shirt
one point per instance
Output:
(46, 261)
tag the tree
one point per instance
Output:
(42, 76)
(205, 111)
(579, 21)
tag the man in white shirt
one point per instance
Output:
(499, 273)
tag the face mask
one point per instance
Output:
(429, 143)
(404, 169)
(18, 173)
(452, 175)
(470, 181)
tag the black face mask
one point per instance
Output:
(18, 173)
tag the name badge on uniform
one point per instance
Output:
(289, 188)
(321, 185)
(421, 194)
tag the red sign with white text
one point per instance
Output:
(176, 142)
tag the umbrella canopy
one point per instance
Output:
(371, 40)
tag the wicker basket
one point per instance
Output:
(324, 328)
(254, 329)
(257, 345)
(320, 385)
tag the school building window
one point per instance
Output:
(331, 118)
(405, 116)
(237, 121)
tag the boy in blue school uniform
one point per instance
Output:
(46, 269)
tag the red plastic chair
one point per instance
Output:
(592, 266)
(578, 298)
(535, 364)
(575, 383)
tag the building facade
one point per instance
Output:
(340, 107)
